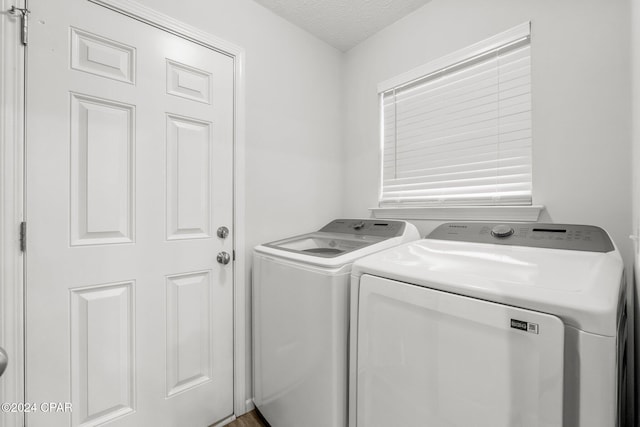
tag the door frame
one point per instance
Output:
(12, 165)
(12, 108)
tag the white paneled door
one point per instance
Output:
(129, 175)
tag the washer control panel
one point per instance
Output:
(538, 235)
(368, 227)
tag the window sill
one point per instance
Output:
(461, 213)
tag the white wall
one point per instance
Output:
(580, 75)
(293, 119)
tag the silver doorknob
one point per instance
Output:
(222, 232)
(223, 258)
(4, 361)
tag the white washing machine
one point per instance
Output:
(490, 325)
(300, 319)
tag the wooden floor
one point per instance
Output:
(250, 419)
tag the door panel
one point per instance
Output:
(427, 357)
(129, 169)
(102, 352)
(188, 331)
(188, 176)
(102, 154)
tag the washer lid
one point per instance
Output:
(341, 242)
(581, 287)
(341, 236)
(323, 244)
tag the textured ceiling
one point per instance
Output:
(342, 23)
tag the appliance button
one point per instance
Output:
(502, 230)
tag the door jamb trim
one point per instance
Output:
(12, 107)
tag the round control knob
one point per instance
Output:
(502, 230)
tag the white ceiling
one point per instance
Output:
(342, 23)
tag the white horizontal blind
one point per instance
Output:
(462, 134)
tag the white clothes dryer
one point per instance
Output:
(490, 325)
(300, 319)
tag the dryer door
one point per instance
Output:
(431, 358)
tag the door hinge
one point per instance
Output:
(24, 17)
(23, 236)
(233, 255)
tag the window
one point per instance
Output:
(457, 131)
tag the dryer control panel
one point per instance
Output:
(551, 236)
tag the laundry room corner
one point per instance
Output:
(263, 207)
